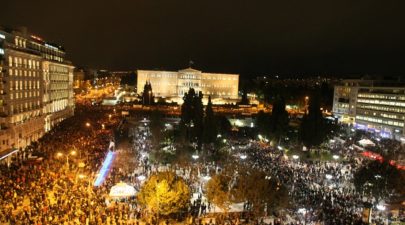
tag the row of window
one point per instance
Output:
(381, 108)
(58, 69)
(28, 106)
(182, 92)
(343, 105)
(381, 121)
(24, 85)
(382, 102)
(24, 73)
(384, 115)
(58, 95)
(27, 94)
(47, 50)
(23, 62)
(190, 84)
(58, 77)
(190, 76)
(53, 57)
(59, 105)
(59, 86)
(217, 85)
(24, 116)
(381, 96)
(20, 42)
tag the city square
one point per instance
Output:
(152, 140)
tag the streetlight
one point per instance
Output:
(195, 156)
(295, 157)
(60, 154)
(88, 124)
(243, 157)
(335, 157)
(306, 104)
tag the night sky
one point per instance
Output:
(248, 37)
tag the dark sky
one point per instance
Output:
(248, 37)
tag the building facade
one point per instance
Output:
(173, 85)
(36, 88)
(372, 105)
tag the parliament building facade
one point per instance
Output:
(172, 85)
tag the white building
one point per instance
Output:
(173, 85)
(374, 106)
(36, 89)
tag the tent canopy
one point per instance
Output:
(366, 142)
(122, 190)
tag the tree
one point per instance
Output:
(279, 119)
(224, 125)
(164, 193)
(380, 180)
(192, 115)
(244, 100)
(198, 119)
(263, 192)
(147, 94)
(210, 126)
(247, 185)
(156, 127)
(218, 191)
(263, 123)
(313, 130)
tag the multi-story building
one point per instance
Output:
(375, 106)
(173, 85)
(36, 88)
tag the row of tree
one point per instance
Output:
(248, 185)
(164, 194)
(198, 125)
(201, 126)
(314, 129)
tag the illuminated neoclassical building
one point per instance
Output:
(36, 91)
(222, 88)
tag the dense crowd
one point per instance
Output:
(56, 186)
(52, 184)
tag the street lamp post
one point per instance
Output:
(60, 154)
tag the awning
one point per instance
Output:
(122, 190)
(366, 142)
(7, 153)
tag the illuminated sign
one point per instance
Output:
(2, 36)
(1, 51)
(36, 38)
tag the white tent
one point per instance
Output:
(366, 142)
(122, 190)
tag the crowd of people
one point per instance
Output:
(52, 184)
